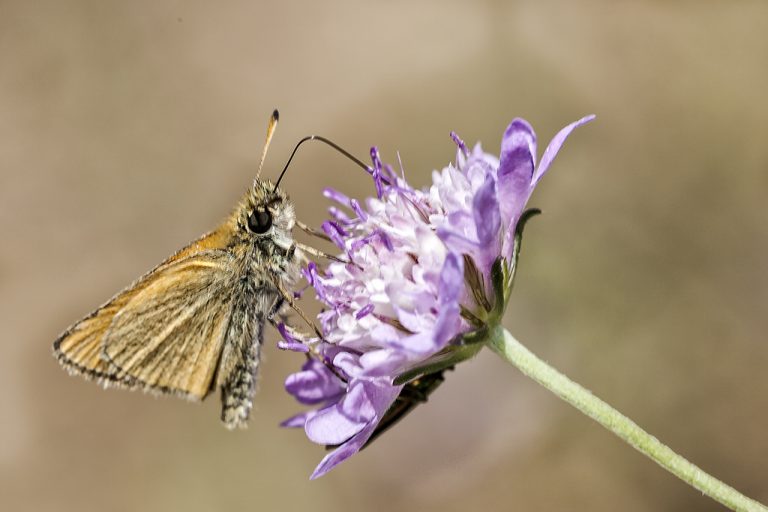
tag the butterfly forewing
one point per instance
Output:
(169, 336)
(81, 348)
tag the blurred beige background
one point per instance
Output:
(129, 128)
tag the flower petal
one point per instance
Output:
(518, 152)
(314, 384)
(298, 420)
(330, 426)
(456, 242)
(451, 279)
(451, 285)
(357, 405)
(382, 397)
(555, 145)
(516, 167)
(343, 452)
(485, 209)
(382, 363)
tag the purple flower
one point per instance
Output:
(425, 270)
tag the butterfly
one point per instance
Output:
(195, 323)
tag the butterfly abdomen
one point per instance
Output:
(239, 365)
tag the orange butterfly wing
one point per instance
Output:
(165, 332)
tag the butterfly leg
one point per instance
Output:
(280, 324)
(288, 298)
(312, 231)
(318, 253)
(279, 321)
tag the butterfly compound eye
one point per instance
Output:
(260, 221)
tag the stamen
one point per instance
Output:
(367, 310)
(460, 143)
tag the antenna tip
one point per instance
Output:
(276, 115)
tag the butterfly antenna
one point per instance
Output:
(325, 141)
(274, 118)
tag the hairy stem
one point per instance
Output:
(504, 344)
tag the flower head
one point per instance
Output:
(425, 271)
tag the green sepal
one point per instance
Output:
(498, 281)
(448, 357)
(518, 241)
(475, 283)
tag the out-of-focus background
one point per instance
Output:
(129, 128)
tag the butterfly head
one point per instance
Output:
(265, 217)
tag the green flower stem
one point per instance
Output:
(504, 344)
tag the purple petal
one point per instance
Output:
(357, 405)
(382, 363)
(451, 279)
(339, 422)
(450, 288)
(343, 452)
(382, 397)
(348, 363)
(555, 144)
(384, 333)
(330, 426)
(299, 420)
(448, 325)
(448, 319)
(314, 384)
(422, 343)
(485, 209)
(456, 242)
(516, 167)
(416, 321)
(518, 152)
